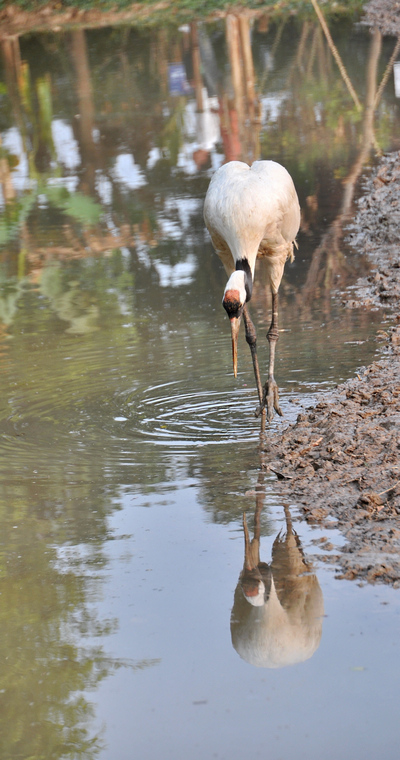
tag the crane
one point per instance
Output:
(253, 211)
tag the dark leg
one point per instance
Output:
(271, 395)
(252, 341)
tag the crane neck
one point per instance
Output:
(242, 265)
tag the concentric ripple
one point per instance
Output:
(168, 415)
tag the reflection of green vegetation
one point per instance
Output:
(36, 131)
(45, 665)
(14, 216)
(46, 615)
(171, 136)
(69, 299)
(196, 6)
(78, 293)
(75, 205)
(317, 120)
(10, 292)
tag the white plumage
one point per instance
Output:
(249, 212)
(278, 609)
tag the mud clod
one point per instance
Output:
(341, 459)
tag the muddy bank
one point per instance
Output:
(383, 15)
(341, 460)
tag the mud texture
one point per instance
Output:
(383, 15)
(340, 462)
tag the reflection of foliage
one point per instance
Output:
(182, 9)
(10, 291)
(45, 618)
(36, 131)
(44, 668)
(78, 292)
(76, 205)
(15, 215)
(171, 136)
(69, 299)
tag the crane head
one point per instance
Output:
(234, 299)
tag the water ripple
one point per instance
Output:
(168, 416)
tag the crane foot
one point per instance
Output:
(270, 400)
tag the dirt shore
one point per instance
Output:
(340, 462)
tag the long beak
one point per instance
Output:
(235, 324)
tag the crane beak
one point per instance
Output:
(235, 324)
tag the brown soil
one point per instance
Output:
(341, 460)
(383, 15)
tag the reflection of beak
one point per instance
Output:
(248, 560)
(235, 324)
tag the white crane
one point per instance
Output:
(249, 212)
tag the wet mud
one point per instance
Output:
(340, 462)
(383, 15)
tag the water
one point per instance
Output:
(128, 451)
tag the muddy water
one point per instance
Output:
(128, 451)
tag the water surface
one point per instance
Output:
(128, 451)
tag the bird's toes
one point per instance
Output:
(270, 411)
(276, 403)
(259, 410)
(271, 395)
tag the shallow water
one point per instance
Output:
(128, 451)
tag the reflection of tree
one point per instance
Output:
(86, 112)
(240, 122)
(45, 619)
(124, 94)
(328, 260)
(121, 89)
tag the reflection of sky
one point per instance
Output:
(169, 275)
(66, 146)
(184, 208)
(127, 173)
(202, 132)
(154, 156)
(203, 128)
(271, 105)
(178, 229)
(104, 189)
(67, 153)
(181, 273)
(12, 142)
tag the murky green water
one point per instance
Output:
(128, 451)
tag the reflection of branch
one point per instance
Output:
(312, 53)
(387, 73)
(277, 39)
(297, 64)
(243, 115)
(247, 54)
(6, 180)
(329, 244)
(336, 55)
(196, 61)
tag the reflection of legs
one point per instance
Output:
(271, 395)
(252, 341)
